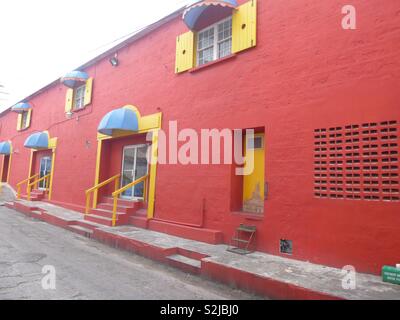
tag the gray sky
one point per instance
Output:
(40, 40)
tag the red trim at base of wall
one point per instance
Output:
(198, 234)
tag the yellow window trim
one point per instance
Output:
(244, 27)
(244, 36)
(70, 97)
(27, 122)
(184, 52)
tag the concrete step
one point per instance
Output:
(184, 263)
(103, 220)
(139, 221)
(36, 213)
(122, 202)
(36, 191)
(141, 213)
(206, 235)
(88, 224)
(106, 213)
(81, 230)
(120, 208)
(33, 197)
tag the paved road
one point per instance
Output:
(86, 269)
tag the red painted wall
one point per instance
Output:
(305, 73)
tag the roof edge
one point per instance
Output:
(131, 39)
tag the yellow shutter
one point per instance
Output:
(19, 122)
(69, 99)
(184, 52)
(88, 92)
(244, 26)
(28, 118)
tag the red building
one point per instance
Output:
(323, 101)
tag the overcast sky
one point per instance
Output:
(40, 40)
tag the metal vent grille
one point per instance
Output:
(357, 162)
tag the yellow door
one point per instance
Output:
(253, 184)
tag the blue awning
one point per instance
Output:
(21, 107)
(39, 140)
(74, 79)
(122, 119)
(195, 11)
(5, 148)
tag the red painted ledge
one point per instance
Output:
(212, 63)
(222, 273)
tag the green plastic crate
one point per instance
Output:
(391, 275)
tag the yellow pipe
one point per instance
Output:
(153, 173)
(116, 193)
(98, 186)
(35, 183)
(30, 165)
(53, 160)
(87, 203)
(97, 176)
(9, 167)
(130, 185)
(114, 216)
(19, 184)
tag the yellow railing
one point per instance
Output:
(97, 187)
(128, 186)
(45, 178)
(19, 184)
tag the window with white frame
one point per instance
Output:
(214, 42)
(79, 97)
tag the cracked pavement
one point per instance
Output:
(86, 269)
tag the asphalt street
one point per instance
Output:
(41, 261)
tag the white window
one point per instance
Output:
(24, 120)
(79, 97)
(214, 42)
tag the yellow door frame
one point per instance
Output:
(257, 178)
(52, 146)
(150, 123)
(9, 167)
(9, 164)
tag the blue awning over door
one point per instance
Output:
(122, 119)
(39, 140)
(5, 148)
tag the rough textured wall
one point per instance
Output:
(305, 73)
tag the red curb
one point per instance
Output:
(260, 285)
(230, 276)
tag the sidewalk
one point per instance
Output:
(261, 273)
